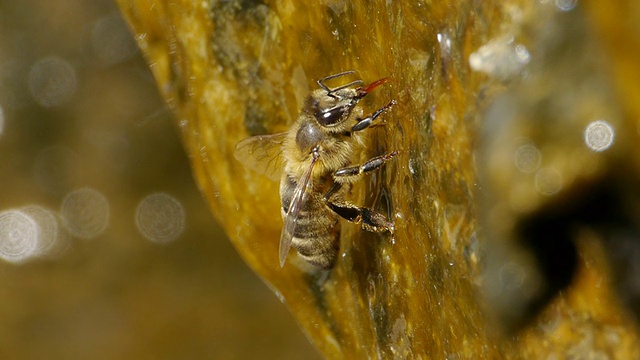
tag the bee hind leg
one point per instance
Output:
(370, 220)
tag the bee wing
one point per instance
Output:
(291, 217)
(263, 154)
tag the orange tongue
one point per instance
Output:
(375, 84)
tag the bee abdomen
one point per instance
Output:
(320, 251)
(317, 237)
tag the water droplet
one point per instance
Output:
(160, 218)
(52, 81)
(412, 169)
(85, 213)
(445, 44)
(280, 297)
(522, 54)
(500, 58)
(599, 135)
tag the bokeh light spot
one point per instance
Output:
(512, 276)
(52, 81)
(85, 213)
(599, 135)
(19, 235)
(111, 40)
(528, 158)
(566, 5)
(160, 218)
(51, 242)
(548, 181)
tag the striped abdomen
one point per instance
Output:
(317, 233)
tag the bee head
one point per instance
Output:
(331, 107)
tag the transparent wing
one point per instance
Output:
(291, 217)
(263, 154)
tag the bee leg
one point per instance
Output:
(369, 219)
(350, 174)
(368, 121)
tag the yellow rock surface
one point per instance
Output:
(478, 84)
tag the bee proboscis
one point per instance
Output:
(313, 161)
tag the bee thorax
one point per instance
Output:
(308, 136)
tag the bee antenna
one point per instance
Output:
(355, 82)
(331, 91)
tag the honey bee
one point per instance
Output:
(313, 161)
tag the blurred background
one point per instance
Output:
(107, 249)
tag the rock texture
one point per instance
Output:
(513, 192)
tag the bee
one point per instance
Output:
(313, 162)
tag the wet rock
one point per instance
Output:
(513, 189)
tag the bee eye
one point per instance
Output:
(331, 116)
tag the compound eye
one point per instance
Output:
(331, 116)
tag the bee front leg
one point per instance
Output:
(368, 121)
